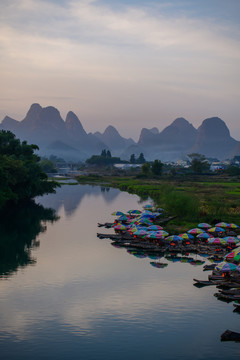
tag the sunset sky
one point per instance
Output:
(130, 64)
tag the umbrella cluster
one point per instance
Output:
(143, 224)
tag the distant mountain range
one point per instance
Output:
(68, 139)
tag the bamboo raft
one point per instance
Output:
(220, 295)
(126, 239)
(206, 282)
(237, 307)
(229, 335)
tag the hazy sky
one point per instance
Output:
(129, 63)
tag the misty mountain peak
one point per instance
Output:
(111, 131)
(73, 123)
(147, 136)
(9, 120)
(180, 127)
(154, 130)
(214, 127)
(180, 122)
(9, 123)
(33, 113)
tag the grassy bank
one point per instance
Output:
(192, 199)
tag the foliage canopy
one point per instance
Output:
(21, 176)
(199, 163)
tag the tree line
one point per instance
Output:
(21, 176)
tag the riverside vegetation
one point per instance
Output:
(191, 199)
(21, 176)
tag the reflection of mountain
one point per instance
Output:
(70, 196)
(19, 227)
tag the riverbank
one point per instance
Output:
(191, 199)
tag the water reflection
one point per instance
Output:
(19, 227)
(86, 299)
(70, 197)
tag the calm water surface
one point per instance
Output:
(65, 294)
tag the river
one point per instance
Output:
(65, 294)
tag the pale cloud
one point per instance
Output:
(117, 61)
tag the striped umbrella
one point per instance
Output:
(148, 207)
(204, 226)
(154, 236)
(118, 213)
(186, 236)
(174, 238)
(217, 241)
(216, 229)
(123, 218)
(222, 224)
(195, 231)
(231, 239)
(155, 227)
(233, 226)
(140, 233)
(134, 212)
(226, 267)
(120, 227)
(204, 235)
(144, 221)
(235, 256)
(163, 232)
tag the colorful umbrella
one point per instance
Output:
(226, 267)
(123, 218)
(146, 215)
(140, 233)
(186, 236)
(233, 256)
(154, 236)
(155, 227)
(158, 265)
(144, 221)
(156, 214)
(204, 225)
(204, 235)
(231, 239)
(216, 229)
(146, 212)
(148, 206)
(222, 224)
(217, 241)
(118, 213)
(233, 226)
(174, 238)
(163, 232)
(195, 231)
(134, 212)
(120, 227)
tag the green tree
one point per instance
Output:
(104, 153)
(141, 159)
(108, 154)
(21, 176)
(156, 168)
(199, 163)
(132, 159)
(232, 170)
(47, 166)
(145, 168)
(102, 160)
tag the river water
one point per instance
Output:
(65, 294)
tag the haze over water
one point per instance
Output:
(82, 298)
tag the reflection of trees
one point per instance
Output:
(71, 197)
(105, 189)
(19, 227)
